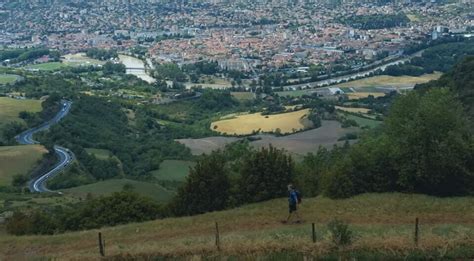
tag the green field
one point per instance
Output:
(18, 160)
(173, 170)
(51, 66)
(243, 96)
(383, 224)
(107, 187)
(363, 121)
(8, 78)
(10, 108)
(99, 153)
(297, 93)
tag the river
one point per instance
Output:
(136, 67)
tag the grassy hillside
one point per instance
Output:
(18, 160)
(107, 187)
(383, 224)
(10, 108)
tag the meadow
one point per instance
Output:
(110, 186)
(10, 109)
(173, 170)
(243, 96)
(249, 123)
(18, 160)
(362, 121)
(99, 153)
(50, 66)
(8, 78)
(383, 225)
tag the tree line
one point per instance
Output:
(439, 58)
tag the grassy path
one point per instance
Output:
(382, 223)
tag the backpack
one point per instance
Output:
(299, 196)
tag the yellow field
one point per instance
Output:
(355, 110)
(10, 108)
(360, 95)
(18, 160)
(248, 123)
(392, 81)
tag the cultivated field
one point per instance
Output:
(248, 123)
(299, 143)
(18, 160)
(390, 81)
(10, 108)
(173, 170)
(304, 142)
(360, 95)
(354, 110)
(206, 145)
(383, 225)
(8, 78)
(107, 187)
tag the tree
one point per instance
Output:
(206, 189)
(432, 143)
(265, 175)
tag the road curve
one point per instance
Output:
(64, 155)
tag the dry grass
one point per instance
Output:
(382, 222)
(18, 160)
(354, 110)
(392, 81)
(360, 95)
(248, 123)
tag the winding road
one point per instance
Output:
(64, 155)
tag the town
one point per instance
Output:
(263, 36)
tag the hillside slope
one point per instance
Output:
(383, 223)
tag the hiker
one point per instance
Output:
(294, 199)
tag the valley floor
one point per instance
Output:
(382, 223)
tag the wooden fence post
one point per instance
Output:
(416, 231)
(217, 238)
(313, 232)
(101, 245)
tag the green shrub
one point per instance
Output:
(341, 235)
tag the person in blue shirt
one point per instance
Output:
(293, 201)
